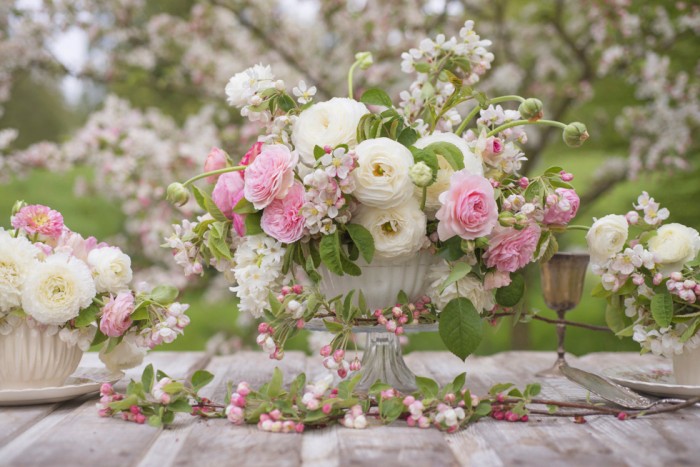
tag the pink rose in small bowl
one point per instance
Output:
(216, 160)
(116, 315)
(562, 207)
(511, 249)
(468, 207)
(282, 219)
(270, 175)
(227, 193)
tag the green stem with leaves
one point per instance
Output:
(515, 123)
(214, 172)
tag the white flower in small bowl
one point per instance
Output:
(382, 177)
(111, 269)
(17, 258)
(398, 231)
(327, 123)
(57, 289)
(674, 245)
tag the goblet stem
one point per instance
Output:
(383, 361)
(561, 333)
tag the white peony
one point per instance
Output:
(606, 237)
(674, 245)
(244, 85)
(382, 177)
(57, 289)
(469, 287)
(111, 269)
(18, 256)
(472, 163)
(327, 123)
(122, 357)
(398, 231)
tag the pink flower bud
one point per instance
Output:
(391, 325)
(382, 320)
(297, 288)
(299, 428)
(677, 276)
(327, 408)
(280, 298)
(134, 409)
(498, 415)
(512, 417)
(689, 284)
(494, 183)
(399, 330)
(632, 217)
(523, 182)
(106, 389)
(286, 290)
(396, 311)
(403, 319)
(410, 421)
(278, 354)
(622, 416)
(423, 422)
(355, 365)
(637, 279)
(408, 400)
(377, 313)
(264, 328)
(338, 355)
(566, 176)
(275, 414)
(342, 372)
(252, 153)
(327, 149)
(500, 397)
(388, 394)
(697, 289)
(237, 399)
(326, 350)
(524, 418)
(658, 277)
(140, 419)
(243, 389)
(450, 398)
(216, 160)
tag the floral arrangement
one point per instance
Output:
(333, 186)
(650, 277)
(54, 280)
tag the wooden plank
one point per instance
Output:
(73, 434)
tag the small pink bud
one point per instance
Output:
(566, 176)
(263, 328)
(327, 408)
(697, 289)
(411, 421)
(377, 313)
(658, 277)
(297, 288)
(134, 409)
(622, 416)
(408, 400)
(632, 217)
(327, 149)
(391, 325)
(500, 397)
(106, 389)
(498, 415)
(140, 419)
(396, 311)
(278, 354)
(338, 355)
(425, 299)
(523, 182)
(424, 422)
(512, 417)
(280, 298)
(382, 320)
(524, 418)
(399, 331)
(403, 319)
(264, 417)
(342, 372)
(299, 428)
(450, 398)
(243, 389)
(326, 350)
(637, 279)
(300, 324)
(494, 183)
(286, 290)
(355, 365)
(275, 414)
(677, 276)
(689, 284)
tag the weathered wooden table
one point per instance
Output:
(71, 433)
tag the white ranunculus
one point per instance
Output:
(327, 123)
(18, 256)
(606, 237)
(398, 231)
(111, 269)
(122, 357)
(382, 177)
(674, 245)
(469, 287)
(472, 163)
(57, 289)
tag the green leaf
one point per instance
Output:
(252, 224)
(402, 298)
(376, 96)
(662, 308)
(459, 270)
(362, 302)
(458, 382)
(168, 417)
(318, 152)
(346, 387)
(600, 292)
(483, 409)
(164, 294)
(275, 305)
(285, 102)
(511, 294)
(533, 389)
(155, 421)
(362, 239)
(390, 409)
(408, 137)
(274, 388)
(87, 316)
(501, 387)
(244, 207)
(199, 197)
(295, 389)
(141, 311)
(201, 378)
(614, 315)
(690, 331)
(347, 306)
(330, 252)
(534, 191)
(461, 328)
(450, 152)
(333, 327)
(428, 388)
(451, 249)
(349, 267)
(214, 210)
(180, 405)
(147, 378)
(553, 170)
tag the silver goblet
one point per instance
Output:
(562, 279)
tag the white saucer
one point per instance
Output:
(656, 380)
(84, 381)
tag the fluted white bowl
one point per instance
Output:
(382, 280)
(32, 358)
(686, 367)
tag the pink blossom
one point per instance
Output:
(37, 219)
(252, 153)
(564, 209)
(468, 207)
(270, 175)
(116, 315)
(74, 244)
(511, 249)
(216, 160)
(227, 193)
(282, 219)
(496, 280)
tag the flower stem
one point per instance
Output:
(505, 126)
(475, 110)
(350, 73)
(585, 228)
(423, 198)
(214, 172)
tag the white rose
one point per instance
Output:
(382, 177)
(472, 163)
(327, 123)
(57, 289)
(674, 245)
(606, 237)
(18, 256)
(122, 357)
(111, 269)
(469, 287)
(398, 231)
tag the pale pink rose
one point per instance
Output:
(468, 207)
(282, 219)
(40, 220)
(252, 153)
(116, 315)
(496, 280)
(511, 249)
(227, 193)
(74, 244)
(216, 160)
(563, 209)
(270, 175)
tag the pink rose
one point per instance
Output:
(252, 153)
(270, 175)
(282, 219)
(40, 220)
(468, 207)
(496, 280)
(215, 160)
(511, 249)
(563, 207)
(227, 193)
(116, 315)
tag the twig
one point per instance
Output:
(592, 327)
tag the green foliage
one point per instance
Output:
(662, 308)
(513, 293)
(461, 327)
